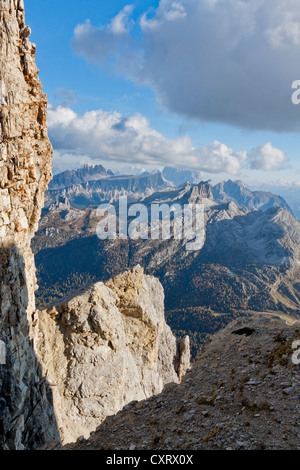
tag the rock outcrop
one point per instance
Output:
(242, 393)
(27, 418)
(106, 347)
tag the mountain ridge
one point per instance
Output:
(238, 192)
(107, 190)
(92, 185)
(82, 175)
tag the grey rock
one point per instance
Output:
(106, 347)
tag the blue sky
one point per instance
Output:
(193, 83)
(52, 24)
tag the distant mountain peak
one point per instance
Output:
(93, 186)
(87, 173)
(239, 193)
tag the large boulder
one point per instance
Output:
(107, 346)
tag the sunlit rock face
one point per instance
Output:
(105, 347)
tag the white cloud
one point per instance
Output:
(267, 158)
(170, 11)
(228, 61)
(120, 24)
(113, 137)
(100, 44)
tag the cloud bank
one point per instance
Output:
(111, 136)
(225, 61)
(267, 158)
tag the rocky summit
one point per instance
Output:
(105, 347)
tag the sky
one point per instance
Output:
(197, 84)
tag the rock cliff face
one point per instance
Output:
(25, 169)
(106, 347)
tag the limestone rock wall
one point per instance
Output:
(106, 347)
(26, 415)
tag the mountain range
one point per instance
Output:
(107, 359)
(82, 175)
(249, 261)
(86, 188)
(93, 185)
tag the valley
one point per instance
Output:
(248, 264)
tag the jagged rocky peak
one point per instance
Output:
(202, 190)
(82, 175)
(105, 347)
(187, 193)
(95, 191)
(62, 203)
(25, 169)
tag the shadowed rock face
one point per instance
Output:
(25, 169)
(106, 347)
